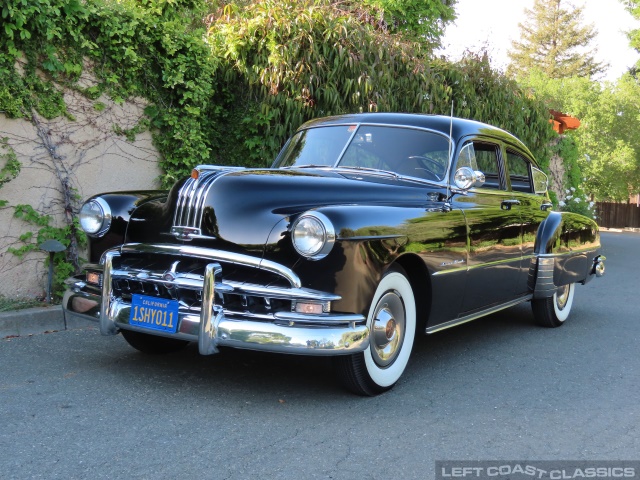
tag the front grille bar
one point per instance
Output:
(213, 255)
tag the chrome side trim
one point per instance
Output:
(214, 255)
(475, 316)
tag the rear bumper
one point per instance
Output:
(286, 332)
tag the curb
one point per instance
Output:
(32, 321)
(620, 230)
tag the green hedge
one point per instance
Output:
(231, 89)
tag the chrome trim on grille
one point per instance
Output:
(331, 334)
(210, 324)
(195, 282)
(214, 255)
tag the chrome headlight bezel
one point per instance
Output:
(98, 209)
(313, 235)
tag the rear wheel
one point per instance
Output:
(392, 327)
(552, 312)
(152, 344)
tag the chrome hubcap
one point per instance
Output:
(562, 295)
(388, 329)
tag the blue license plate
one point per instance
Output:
(154, 313)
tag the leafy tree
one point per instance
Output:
(553, 41)
(423, 20)
(634, 35)
(233, 93)
(283, 62)
(608, 140)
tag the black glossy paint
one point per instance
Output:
(122, 205)
(472, 252)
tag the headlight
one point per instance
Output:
(95, 217)
(313, 235)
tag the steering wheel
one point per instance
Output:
(437, 169)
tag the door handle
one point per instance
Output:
(546, 206)
(507, 204)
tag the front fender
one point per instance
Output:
(122, 205)
(370, 239)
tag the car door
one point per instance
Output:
(494, 230)
(532, 208)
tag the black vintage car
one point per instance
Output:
(368, 229)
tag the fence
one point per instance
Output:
(618, 215)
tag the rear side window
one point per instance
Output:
(519, 172)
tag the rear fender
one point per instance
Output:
(567, 245)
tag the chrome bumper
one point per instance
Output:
(288, 332)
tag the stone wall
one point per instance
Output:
(84, 151)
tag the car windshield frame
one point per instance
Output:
(353, 130)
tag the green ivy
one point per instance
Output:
(30, 242)
(10, 164)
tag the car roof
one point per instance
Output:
(459, 127)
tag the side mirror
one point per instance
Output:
(466, 177)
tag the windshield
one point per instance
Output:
(404, 151)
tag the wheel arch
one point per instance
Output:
(418, 276)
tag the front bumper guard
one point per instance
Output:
(326, 334)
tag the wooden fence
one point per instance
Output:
(618, 215)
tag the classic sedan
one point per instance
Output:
(367, 230)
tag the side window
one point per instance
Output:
(519, 173)
(483, 157)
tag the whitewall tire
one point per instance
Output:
(553, 312)
(392, 327)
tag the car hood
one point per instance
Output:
(240, 209)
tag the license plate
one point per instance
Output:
(154, 313)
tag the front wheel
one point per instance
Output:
(392, 327)
(552, 312)
(151, 343)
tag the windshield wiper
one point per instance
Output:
(395, 175)
(369, 169)
(311, 165)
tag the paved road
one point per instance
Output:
(77, 405)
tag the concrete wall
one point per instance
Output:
(86, 152)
